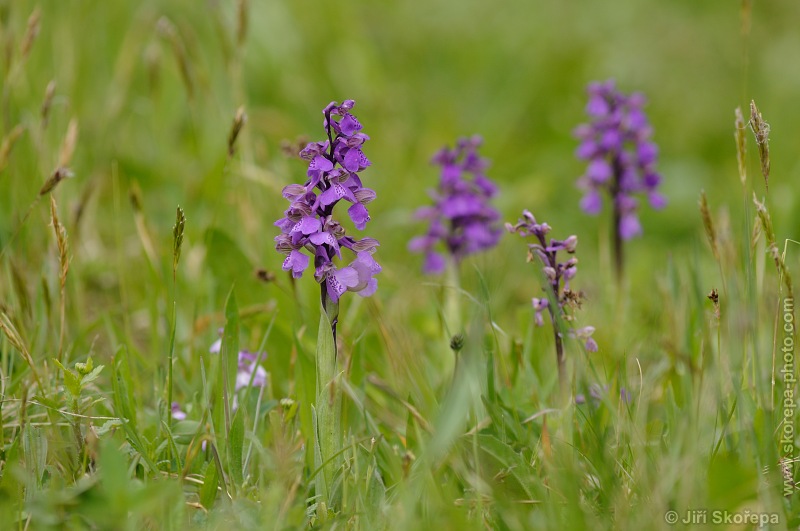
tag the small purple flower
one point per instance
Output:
(461, 217)
(216, 346)
(585, 335)
(621, 159)
(558, 275)
(177, 412)
(308, 224)
(247, 367)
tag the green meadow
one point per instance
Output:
(144, 147)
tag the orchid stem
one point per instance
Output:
(329, 398)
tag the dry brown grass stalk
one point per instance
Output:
(166, 29)
(764, 221)
(47, 103)
(68, 145)
(16, 341)
(761, 130)
(31, 32)
(135, 196)
(741, 145)
(238, 123)
(63, 261)
(8, 144)
(708, 224)
(241, 20)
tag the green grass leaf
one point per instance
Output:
(208, 491)
(236, 447)
(328, 404)
(34, 449)
(125, 405)
(229, 355)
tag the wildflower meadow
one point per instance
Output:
(399, 265)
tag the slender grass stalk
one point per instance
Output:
(16, 70)
(135, 196)
(177, 242)
(47, 103)
(711, 235)
(741, 145)
(7, 144)
(10, 331)
(76, 431)
(167, 31)
(55, 178)
(745, 16)
(761, 131)
(63, 260)
(238, 123)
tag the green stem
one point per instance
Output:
(76, 430)
(329, 398)
(561, 362)
(170, 360)
(452, 310)
(173, 328)
(62, 311)
(619, 262)
(452, 315)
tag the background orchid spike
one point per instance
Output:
(308, 224)
(621, 158)
(461, 217)
(559, 275)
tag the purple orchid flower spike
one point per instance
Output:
(560, 300)
(309, 229)
(621, 161)
(461, 218)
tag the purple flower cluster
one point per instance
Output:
(308, 223)
(247, 367)
(461, 216)
(621, 158)
(177, 412)
(556, 273)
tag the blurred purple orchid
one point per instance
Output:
(461, 217)
(621, 158)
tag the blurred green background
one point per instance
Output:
(155, 85)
